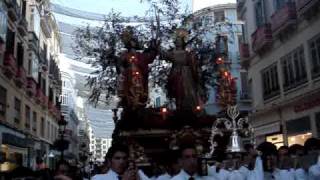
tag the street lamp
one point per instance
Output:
(62, 144)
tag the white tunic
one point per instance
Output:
(185, 176)
(314, 172)
(165, 176)
(111, 175)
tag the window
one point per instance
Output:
(3, 101)
(294, 69)
(278, 4)
(10, 41)
(34, 122)
(28, 117)
(314, 46)
(104, 147)
(244, 94)
(20, 54)
(3, 22)
(219, 16)
(270, 82)
(17, 110)
(35, 68)
(35, 21)
(259, 9)
(42, 126)
(158, 102)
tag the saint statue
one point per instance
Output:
(133, 68)
(184, 81)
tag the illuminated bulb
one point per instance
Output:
(226, 73)
(198, 108)
(164, 110)
(293, 139)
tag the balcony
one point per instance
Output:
(9, 65)
(44, 101)
(284, 18)
(23, 26)
(33, 42)
(39, 96)
(262, 38)
(13, 10)
(31, 86)
(307, 7)
(21, 77)
(244, 51)
(46, 26)
(51, 107)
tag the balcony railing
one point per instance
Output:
(13, 10)
(284, 18)
(45, 25)
(9, 65)
(244, 51)
(262, 38)
(23, 26)
(306, 6)
(31, 86)
(21, 77)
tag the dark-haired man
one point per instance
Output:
(117, 157)
(189, 164)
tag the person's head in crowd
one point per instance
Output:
(296, 150)
(312, 145)
(268, 155)
(173, 166)
(117, 157)
(283, 151)
(63, 168)
(188, 159)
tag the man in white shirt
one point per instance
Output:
(172, 166)
(119, 166)
(189, 163)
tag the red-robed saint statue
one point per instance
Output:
(184, 80)
(133, 80)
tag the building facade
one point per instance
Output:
(30, 82)
(68, 110)
(98, 146)
(281, 49)
(225, 16)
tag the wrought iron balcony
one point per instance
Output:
(244, 51)
(262, 38)
(13, 10)
(284, 18)
(21, 77)
(9, 65)
(304, 7)
(23, 26)
(46, 26)
(31, 86)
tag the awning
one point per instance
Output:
(267, 129)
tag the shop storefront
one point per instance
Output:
(298, 130)
(14, 149)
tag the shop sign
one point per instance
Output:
(13, 140)
(306, 105)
